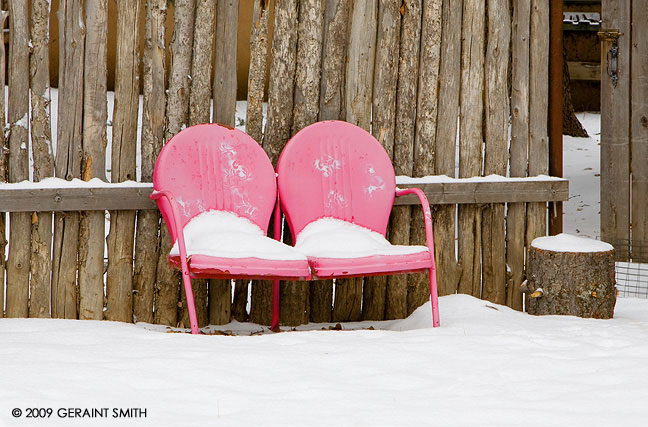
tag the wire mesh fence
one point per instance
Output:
(632, 268)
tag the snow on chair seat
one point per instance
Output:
(334, 169)
(220, 243)
(331, 243)
(216, 168)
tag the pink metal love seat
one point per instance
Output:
(216, 190)
(337, 188)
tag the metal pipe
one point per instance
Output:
(555, 108)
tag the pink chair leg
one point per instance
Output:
(191, 305)
(434, 297)
(275, 306)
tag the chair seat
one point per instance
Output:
(222, 244)
(339, 248)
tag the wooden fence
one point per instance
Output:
(418, 74)
(624, 128)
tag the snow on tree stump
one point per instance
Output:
(570, 275)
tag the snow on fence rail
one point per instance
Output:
(415, 77)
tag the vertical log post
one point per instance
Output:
(404, 136)
(119, 277)
(224, 93)
(177, 110)
(538, 112)
(359, 93)
(18, 117)
(154, 104)
(95, 114)
(383, 125)
(332, 96)
(295, 307)
(3, 165)
(418, 286)
(515, 219)
(199, 112)
(68, 154)
(41, 233)
(279, 121)
(446, 137)
(496, 104)
(254, 117)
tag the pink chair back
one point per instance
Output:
(336, 169)
(211, 166)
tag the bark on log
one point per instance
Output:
(95, 114)
(538, 112)
(404, 135)
(279, 121)
(41, 233)
(359, 93)
(496, 105)
(199, 112)
(69, 154)
(224, 90)
(332, 107)
(4, 149)
(334, 56)
(201, 63)
(18, 114)
(119, 276)
(177, 110)
(257, 74)
(448, 272)
(571, 125)
(515, 219)
(254, 118)
(295, 304)
(383, 125)
(571, 283)
(418, 287)
(154, 103)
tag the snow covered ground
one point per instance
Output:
(487, 365)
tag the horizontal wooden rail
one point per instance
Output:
(481, 192)
(120, 197)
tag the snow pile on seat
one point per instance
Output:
(569, 243)
(336, 238)
(226, 235)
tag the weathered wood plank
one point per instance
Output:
(496, 104)
(639, 130)
(41, 232)
(177, 110)
(538, 112)
(446, 137)
(418, 286)
(515, 221)
(224, 85)
(334, 55)
(404, 135)
(615, 133)
(257, 74)
(279, 121)
(359, 90)
(295, 301)
(470, 140)
(383, 125)
(18, 122)
(580, 70)
(129, 198)
(69, 154)
(154, 104)
(3, 166)
(200, 101)
(95, 114)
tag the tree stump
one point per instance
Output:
(571, 275)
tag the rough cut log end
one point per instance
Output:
(571, 276)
